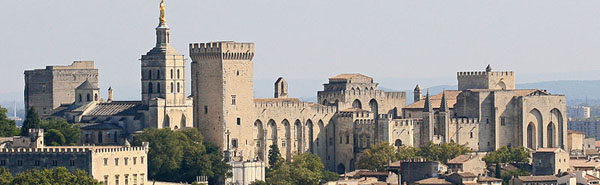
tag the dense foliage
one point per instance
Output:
(377, 156)
(507, 155)
(57, 132)
(58, 175)
(304, 168)
(180, 156)
(8, 127)
(60, 132)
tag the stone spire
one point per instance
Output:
(444, 105)
(428, 107)
(126, 144)
(488, 68)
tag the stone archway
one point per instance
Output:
(398, 143)
(550, 133)
(260, 140)
(535, 116)
(310, 136)
(299, 138)
(356, 104)
(341, 169)
(288, 139)
(374, 107)
(557, 118)
(531, 135)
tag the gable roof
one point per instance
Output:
(460, 159)
(115, 108)
(87, 85)
(436, 100)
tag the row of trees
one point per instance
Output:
(377, 156)
(304, 168)
(58, 175)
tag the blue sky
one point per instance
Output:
(411, 41)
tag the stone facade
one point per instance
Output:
(550, 161)
(108, 164)
(47, 89)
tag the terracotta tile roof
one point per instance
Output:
(267, 100)
(436, 100)
(574, 132)
(466, 174)
(487, 179)
(433, 180)
(582, 163)
(592, 178)
(544, 178)
(554, 150)
(459, 159)
(348, 76)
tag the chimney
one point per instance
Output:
(110, 94)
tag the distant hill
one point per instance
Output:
(576, 90)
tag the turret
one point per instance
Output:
(86, 93)
(488, 68)
(281, 88)
(417, 93)
(110, 94)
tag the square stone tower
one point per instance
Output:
(503, 80)
(223, 93)
(46, 89)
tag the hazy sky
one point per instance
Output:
(311, 39)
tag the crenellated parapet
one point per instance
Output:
(470, 74)
(226, 50)
(464, 120)
(295, 105)
(52, 150)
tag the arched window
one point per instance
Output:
(95, 97)
(356, 104)
(172, 87)
(157, 74)
(178, 90)
(80, 98)
(171, 73)
(150, 74)
(150, 88)
(178, 74)
(89, 98)
(157, 87)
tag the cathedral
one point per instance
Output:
(164, 102)
(485, 112)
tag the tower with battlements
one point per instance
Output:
(222, 87)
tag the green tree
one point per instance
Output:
(32, 120)
(274, 155)
(258, 182)
(507, 155)
(5, 177)
(443, 152)
(377, 157)
(58, 175)
(305, 169)
(8, 128)
(54, 137)
(407, 153)
(70, 132)
(180, 156)
(508, 174)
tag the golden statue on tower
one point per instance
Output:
(162, 19)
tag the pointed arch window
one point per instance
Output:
(178, 77)
(171, 73)
(89, 98)
(149, 74)
(172, 87)
(178, 88)
(150, 89)
(157, 87)
(157, 74)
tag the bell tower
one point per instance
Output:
(163, 81)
